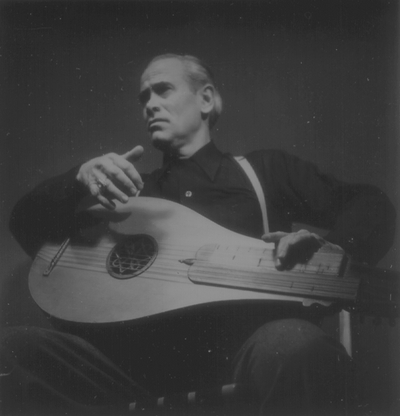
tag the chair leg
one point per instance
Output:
(345, 330)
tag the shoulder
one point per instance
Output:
(272, 159)
(285, 170)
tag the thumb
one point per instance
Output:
(274, 237)
(134, 154)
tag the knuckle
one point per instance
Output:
(101, 160)
(94, 190)
(113, 156)
(113, 171)
(303, 231)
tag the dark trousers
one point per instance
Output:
(288, 366)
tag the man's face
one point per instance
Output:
(171, 109)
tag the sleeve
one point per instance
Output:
(360, 218)
(47, 213)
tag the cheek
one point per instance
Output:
(176, 107)
(189, 111)
(183, 111)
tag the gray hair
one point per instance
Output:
(198, 74)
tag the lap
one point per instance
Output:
(169, 356)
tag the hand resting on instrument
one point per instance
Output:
(293, 248)
(112, 176)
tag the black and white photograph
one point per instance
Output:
(199, 208)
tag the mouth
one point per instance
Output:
(154, 124)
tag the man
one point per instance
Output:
(286, 364)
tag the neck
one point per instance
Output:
(190, 149)
(183, 148)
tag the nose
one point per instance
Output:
(152, 105)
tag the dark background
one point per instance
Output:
(318, 78)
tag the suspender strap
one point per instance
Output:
(249, 171)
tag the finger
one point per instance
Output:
(296, 248)
(289, 241)
(281, 253)
(134, 154)
(124, 176)
(274, 237)
(108, 203)
(95, 191)
(132, 180)
(110, 191)
(132, 174)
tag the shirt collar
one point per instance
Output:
(209, 158)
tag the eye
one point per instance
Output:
(162, 89)
(144, 97)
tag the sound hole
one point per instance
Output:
(132, 256)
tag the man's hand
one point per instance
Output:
(293, 248)
(112, 176)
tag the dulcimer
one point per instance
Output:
(151, 256)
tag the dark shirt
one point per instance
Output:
(360, 218)
(212, 184)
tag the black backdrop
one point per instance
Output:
(315, 77)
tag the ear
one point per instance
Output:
(207, 99)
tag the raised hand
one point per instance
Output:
(112, 176)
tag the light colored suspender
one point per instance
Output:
(344, 316)
(249, 171)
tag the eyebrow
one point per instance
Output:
(142, 96)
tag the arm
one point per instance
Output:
(360, 218)
(48, 213)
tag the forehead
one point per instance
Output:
(164, 70)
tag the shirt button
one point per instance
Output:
(188, 194)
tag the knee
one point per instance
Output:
(291, 337)
(21, 335)
(289, 343)
(19, 342)
(292, 357)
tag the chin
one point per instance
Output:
(161, 143)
